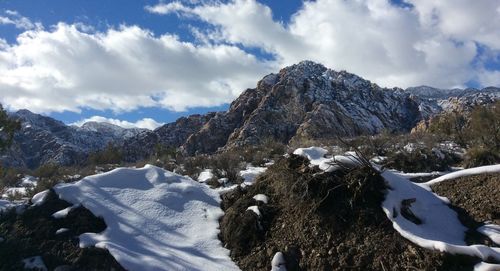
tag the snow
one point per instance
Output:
(278, 262)
(255, 209)
(23, 189)
(34, 263)
(205, 175)
(492, 231)
(261, 197)
(316, 157)
(441, 230)
(62, 230)
(29, 181)
(12, 191)
(64, 212)
(482, 266)
(6, 205)
(250, 173)
(39, 198)
(464, 173)
(156, 219)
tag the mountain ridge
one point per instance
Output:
(300, 102)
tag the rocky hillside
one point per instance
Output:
(301, 102)
(309, 101)
(171, 135)
(46, 140)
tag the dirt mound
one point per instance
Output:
(33, 233)
(475, 199)
(321, 221)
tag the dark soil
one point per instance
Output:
(32, 233)
(321, 221)
(476, 200)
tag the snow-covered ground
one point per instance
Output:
(440, 228)
(250, 174)
(156, 220)
(27, 182)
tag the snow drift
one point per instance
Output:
(157, 220)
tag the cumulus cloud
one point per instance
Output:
(146, 123)
(72, 66)
(122, 69)
(431, 42)
(12, 17)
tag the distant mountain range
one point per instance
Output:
(302, 101)
(46, 140)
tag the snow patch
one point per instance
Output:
(482, 266)
(205, 175)
(317, 157)
(261, 197)
(34, 263)
(492, 231)
(39, 198)
(278, 263)
(29, 181)
(6, 205)
(440, 228)
(64, 212)
(62, 230)
(464, 173)
(156, 219)
(255, 209)
(251, 173)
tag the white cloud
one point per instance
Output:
(14, 18)
(121, 69)
(71, 66)
(146, 123)
(433, 43)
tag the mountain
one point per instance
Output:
(301, 102)
(307, 101)
(45, 140)
(171, 135)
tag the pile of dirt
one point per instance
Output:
(33, 233)
(321, 221)
(475, 199)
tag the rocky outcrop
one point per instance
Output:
(171, 135)
(308, 101)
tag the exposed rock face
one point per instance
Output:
(45, 140)
(171, 135)
(308, 101)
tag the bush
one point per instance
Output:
(451, 125)
(9, 177)
(421, 160)
(227, 164)
(270, 149)
(110, 155)
(8, 127)
(478, 156)
(484, 126)
(48, 176)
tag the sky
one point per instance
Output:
(148, 62)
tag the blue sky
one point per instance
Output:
(131, 60)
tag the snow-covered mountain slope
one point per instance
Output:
(45, 140)
(156, 220)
